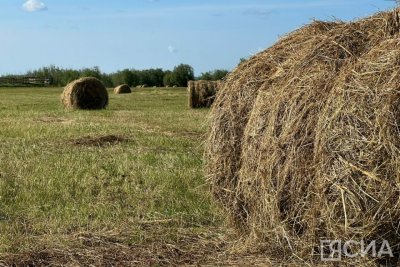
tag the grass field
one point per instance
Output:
(86, 186)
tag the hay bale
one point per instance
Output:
(192, 96)
(122, 89)
(85, 93)
(202, 93)
(304, 142)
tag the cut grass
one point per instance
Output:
(52, 189)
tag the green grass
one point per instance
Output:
(51, 188)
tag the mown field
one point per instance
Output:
(123, 185)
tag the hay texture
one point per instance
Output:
(85, 93)
(122, 89)
(202, 93)
(305, 140)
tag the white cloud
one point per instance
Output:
(172, 49)
(34, 5)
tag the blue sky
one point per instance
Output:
(117, 34)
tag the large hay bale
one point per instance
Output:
(85, 93)
(122, 89)
(304, 142)
(202, 93)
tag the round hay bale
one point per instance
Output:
(122, 89)
(85, 93)
(304, 143)
(202, 93)
(209, 93)
(192, 95)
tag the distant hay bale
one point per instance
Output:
(122, 89)
(304, 142)
(85, 93)
(175, 86)
(202, 93)
(154, 86)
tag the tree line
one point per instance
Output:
(179, 76)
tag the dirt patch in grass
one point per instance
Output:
(99, 141)
(49, 119)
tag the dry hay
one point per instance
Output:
(85, 93)
(122, 89)
(304, 142)
(186, 247)
(202, 93)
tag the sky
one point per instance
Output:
(141, 34)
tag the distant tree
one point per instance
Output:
(152, 77)
(106, 79)
(58, 77)
(66, 76)
(182, 74)
(116, 78)
(169, 78)
(134, 78)
(91, 72)
(205, 76)
(213, 75)
(145, 78)
(156, 77)
(219, 74)
(128, 77)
